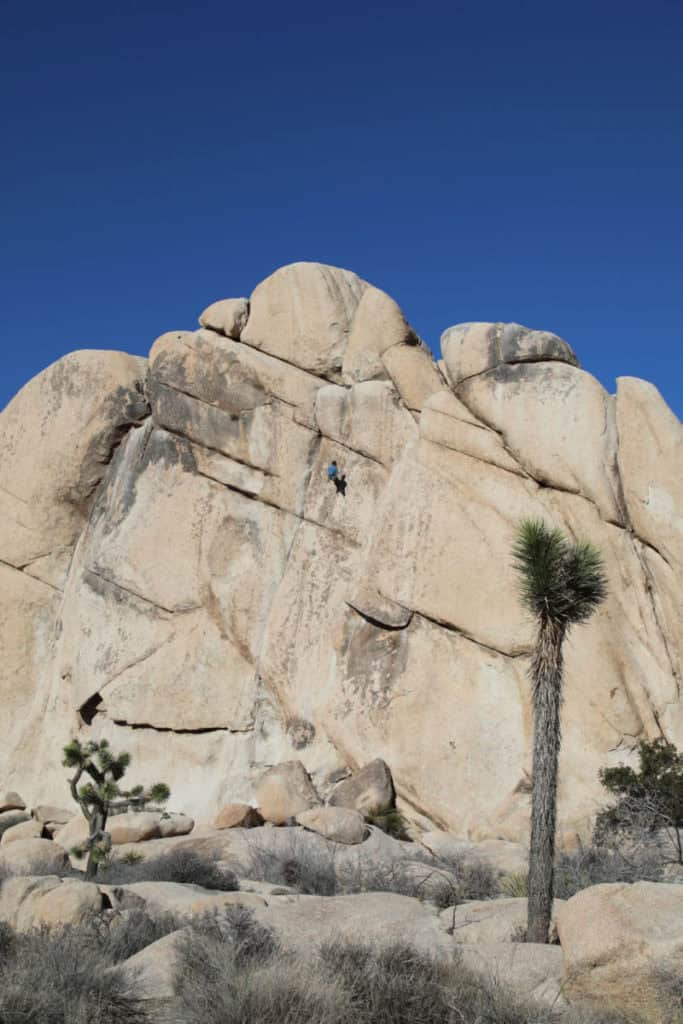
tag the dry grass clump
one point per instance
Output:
(314, 868)
(595, 864)
(178, 865)
(347, 983)
(63, 978)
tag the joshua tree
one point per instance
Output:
(562, 583)
(102, 795)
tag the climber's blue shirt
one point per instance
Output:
(332, 472)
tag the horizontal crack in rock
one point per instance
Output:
(169, 728)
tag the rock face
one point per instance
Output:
(178, 575)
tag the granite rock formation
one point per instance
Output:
(178, 574)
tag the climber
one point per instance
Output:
(339, 480)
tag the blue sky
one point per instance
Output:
(479, 161)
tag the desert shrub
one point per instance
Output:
(477, 880)
(392, 985)
(11, 818)
(211, 989)
(593, 865)
(7, 941)
(390, 820)
(63, 978)
(515, 883)
(132, 857)
(308, 866)
(348, 983)
(669, 984)
(251, 943)
(178, 865)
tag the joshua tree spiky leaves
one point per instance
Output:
(562, 583)
(102, 795)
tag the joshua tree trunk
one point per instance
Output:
(546, 674)
(99, 841)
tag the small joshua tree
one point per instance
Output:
(561, 584)
(650, 799)
(102, 795)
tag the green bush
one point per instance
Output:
(390, 820)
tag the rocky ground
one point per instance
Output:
(323, 876)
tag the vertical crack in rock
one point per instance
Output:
(649, 580)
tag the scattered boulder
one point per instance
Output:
(152, 971)
(370, 788)
(48, 814)
(33, 902)
(174, 825)
(284, 792)
(502, 920)
(237, 816)
(24, 830)
(341, 824)
(179, 897)
(229, 316)
(623, 947)
(530, 971)
(28, 855)
(11, 801)
(132, 827)
(10, 818)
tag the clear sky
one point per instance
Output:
(479, 161)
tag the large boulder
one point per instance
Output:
(623, 948)
(48, 814)
(11, 801)
(152, 972)
(377, 918)
(471, 349)
(33, 856)
(24, 830)
(285, 791)
(368, 790)
(35, 902)
(303, 314)
(340, 824)
(531, 972)
(179, 898)
(237, 816)
(228, 316)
